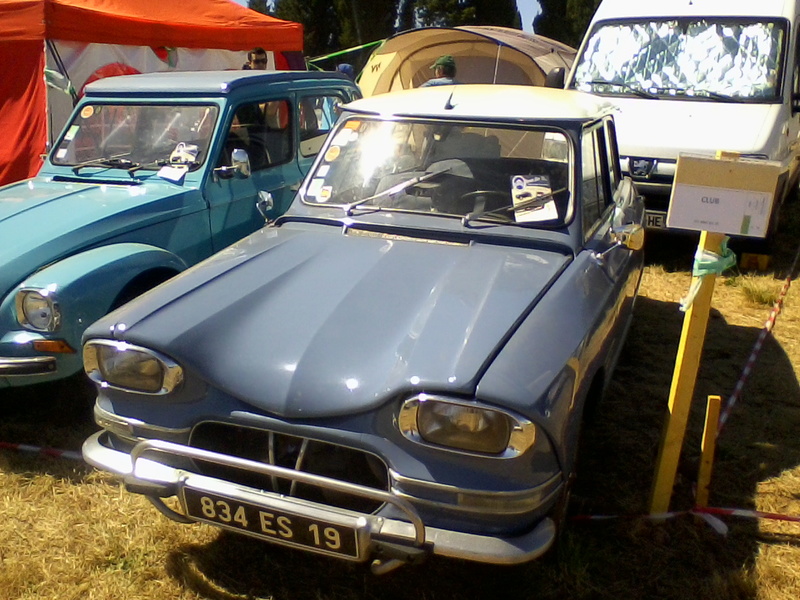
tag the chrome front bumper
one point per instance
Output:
(36, 365)
(399, 540)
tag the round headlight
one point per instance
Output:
(129, 367)
(37, 311)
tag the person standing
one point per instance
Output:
(444, 72)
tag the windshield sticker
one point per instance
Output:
(325, 193)
(87, 111)
(353, 124)
(333, 153)
(71, 133)
(314, 187)
(342, 138)
(323, 170)
(61, 153)
(524, 190)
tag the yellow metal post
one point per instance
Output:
(683, 380)
(707, 450)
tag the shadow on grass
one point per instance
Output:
(55, 416)
(629, 556)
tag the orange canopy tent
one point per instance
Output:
(25, 26)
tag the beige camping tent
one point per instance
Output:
(482, 54)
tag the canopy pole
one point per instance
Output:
(496, 63)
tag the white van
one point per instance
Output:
(695, 76)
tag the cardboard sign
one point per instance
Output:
(729, 195)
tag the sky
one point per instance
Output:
(527, 10)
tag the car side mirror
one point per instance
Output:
(265, 204)
(555, 78)
(240, 165)
(240, 161)
(630, 236)
(795, 103)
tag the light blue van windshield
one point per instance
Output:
(707, 58)
(146, 135)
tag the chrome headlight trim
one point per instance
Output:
(171, 372)
(25, 316)
(521, 437)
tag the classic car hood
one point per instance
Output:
(320, 323)
(41, 220)
(663, 128)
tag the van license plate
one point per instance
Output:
(655, 220)
(272, 525)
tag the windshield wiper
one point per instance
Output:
(113, 162)
(530, 203)
(696, 93)
(395, 189)
(627, 87)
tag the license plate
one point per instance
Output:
(655, 220)
(272, 525)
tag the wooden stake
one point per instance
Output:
(683, 380)
(708, 449)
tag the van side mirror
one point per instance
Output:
(555, 78)
(795, 103)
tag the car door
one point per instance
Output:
(609, 201)
(265, 129)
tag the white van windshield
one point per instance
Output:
(699, 58)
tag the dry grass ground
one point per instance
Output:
(68, 532)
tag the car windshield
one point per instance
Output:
(475, 171)
(720, 59)
(137, 136)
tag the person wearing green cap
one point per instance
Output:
(444, 72)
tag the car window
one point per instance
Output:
(514, 174)
(594, 166)
(318, 114)
(264, 130)
(149, 135)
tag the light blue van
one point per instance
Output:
(151, 174)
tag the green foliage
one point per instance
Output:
(565, 20)
(452, 13)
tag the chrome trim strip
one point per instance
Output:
(133, 429)
(476, 501)
(523, 431)
(35, 365)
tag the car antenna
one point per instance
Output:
(449, 104)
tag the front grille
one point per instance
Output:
(291, 452)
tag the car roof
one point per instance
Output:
(212, 83)
(517, 103)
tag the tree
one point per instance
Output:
(452, 13)
(321, 24)
(564, 20)
(365, 21)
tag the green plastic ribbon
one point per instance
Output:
(708, 263)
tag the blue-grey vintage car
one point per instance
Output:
(400, 364)
(152, 173)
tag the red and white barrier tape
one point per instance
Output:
(709, 514)
(748, 368)
(51, 452)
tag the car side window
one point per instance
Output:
(318, 113)
(264, 130)
(595, 165)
